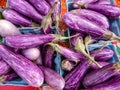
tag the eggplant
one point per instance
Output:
(4, 67)
(109, 10)
(16, 18)
(23, 7)
(102, 55)
(41, 6)
(101, 75)
(74, 22)
(93, 16)
(53, 79)
(27, 70)
(75, 76)
(113, 84)
(31, 40)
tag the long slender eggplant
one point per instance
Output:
(75, 76)
(103, 55)
(31, 40)
(16, 18)
(52, 78)
(93, 16)
(101, 75)
(23, 7)
(41, 6)
(4, 67)
(79, 24)
(28, 71)
(113, 84)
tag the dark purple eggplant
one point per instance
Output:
(27, 70)
(101, 75)
(23, 7)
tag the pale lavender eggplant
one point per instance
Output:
(103, 55)
(48, 56)
(52, 78)
(23, 7)
(103, 2)
(101, 75)
(106, 9)
(79, 24)
(75, 76)
(4, 67)
(41, 6)
(27, 70)
(83, 2)
(93, 16)
(16, 18)
(113, 84)
(31, 40)
(94, 66)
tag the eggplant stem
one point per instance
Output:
(80, 4)
(2, 78)
(57, 23)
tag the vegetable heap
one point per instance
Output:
(31, 56)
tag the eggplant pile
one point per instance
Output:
(32, 57)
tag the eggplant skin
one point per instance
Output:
(16, 18)
(27, 70)
(113, 84)
(100, 75)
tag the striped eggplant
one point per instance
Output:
(93, 16)
(113, 84)
(83, 2)
(48, 56)
(41, 6)
(23, 7)
(31, 40)
(27, 70)
(75, 76)
(107, 9)
(74, 22)
(102, 55)
(16, 18)
(94, 66)
(101, 75)
(4, 67)
(103, 2)
(53, 79)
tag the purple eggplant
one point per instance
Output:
(83, 2)
(27, 70)
(94, 66)
(16, 18)
(23, 7)
(75, 76)
(41, 6)
(48, 56)
(106, 9)
(31, 40)
(101, 75)
(113, 84)
(74, 22)
(4, 67)
(52, 78)
(93, 16)
(103, 55)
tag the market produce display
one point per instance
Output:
(32, 56)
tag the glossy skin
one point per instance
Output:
(53, 79)
(4, 67)
(100, 75)
(75, 76)
(23, 7)
(23, 67)
(93, 16)
(41, 6)
(16, 18)
(108, 9)
(104, 55)
(113, 84)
